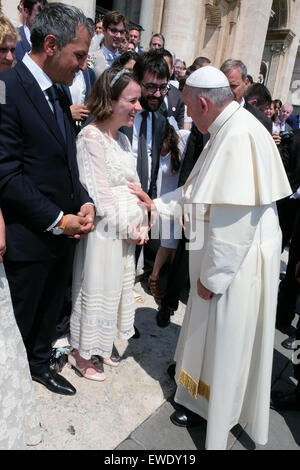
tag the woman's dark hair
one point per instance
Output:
(124, 58)
(153, 62)
(172, 139)
(108, 88)
(275, 115)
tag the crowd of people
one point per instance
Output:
(104, 145)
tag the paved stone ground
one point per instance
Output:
(131, 409)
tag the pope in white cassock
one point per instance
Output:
(225, 349)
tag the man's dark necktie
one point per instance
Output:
(142, 159)
(163, 109)
(54, 98)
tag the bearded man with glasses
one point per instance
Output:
(147, 133)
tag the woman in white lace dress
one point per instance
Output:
(104, 269)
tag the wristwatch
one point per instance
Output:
(59, 229)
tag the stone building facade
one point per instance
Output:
(263, 34)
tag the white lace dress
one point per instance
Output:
(19, 423)
(104, 266)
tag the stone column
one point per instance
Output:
(88, 7)
(251, 31)
(146, 21)
(180, 27)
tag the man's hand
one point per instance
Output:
(88, 212)
(74, 225)
(204, 293)
(276, 137)
(79, 112)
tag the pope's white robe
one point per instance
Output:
(225, 349)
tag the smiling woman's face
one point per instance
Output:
(128, 104)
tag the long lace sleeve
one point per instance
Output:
(92, 154)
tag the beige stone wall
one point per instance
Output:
(9, 8)
(251, 34)
(180, 25)
(87, 6)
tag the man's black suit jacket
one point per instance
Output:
(158, 130)
(176, 105)
(38, 169)
(89, 78)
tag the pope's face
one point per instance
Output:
(195, 109)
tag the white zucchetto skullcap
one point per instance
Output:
(207, 77)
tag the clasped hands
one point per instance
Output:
(78, 226)
(147, 202)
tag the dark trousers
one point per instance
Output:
(287, 213)
(38, 293)
(289, 288)
(177, 277)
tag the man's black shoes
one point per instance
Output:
(185, 418)
(54, 382)
(285, 402)
(163, 316)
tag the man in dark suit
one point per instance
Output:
(43, 203)
(236, 72)
(31, 8)
(173, 105)
(294, 121)
(289, 291)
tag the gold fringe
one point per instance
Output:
(204, 390)
(188, 383)
(194, 388)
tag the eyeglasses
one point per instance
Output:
(116, 31)
(6, 50)
(152, 88)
